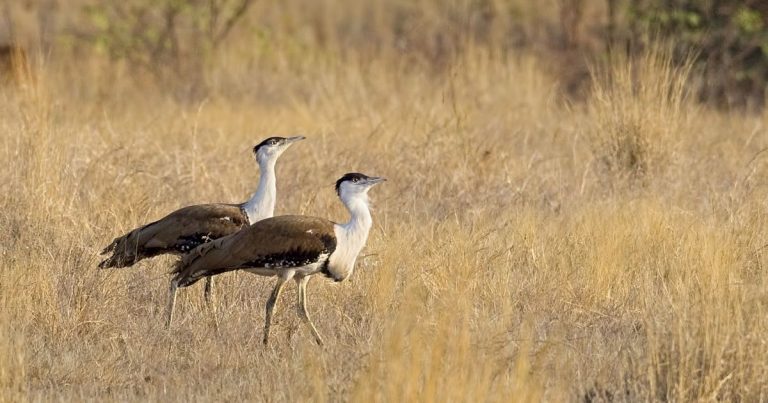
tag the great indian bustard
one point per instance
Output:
(287, 247)
(186, 228)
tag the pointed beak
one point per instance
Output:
(375, 179)
(291, 140)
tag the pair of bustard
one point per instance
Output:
(217, 238)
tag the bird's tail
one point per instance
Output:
(123, 251)
(110, 247)
(129, 248)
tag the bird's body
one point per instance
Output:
(288, 247)
(267, 248)
(189, 227)
(176, 233)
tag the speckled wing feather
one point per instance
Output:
(278, 242)
(178, 232)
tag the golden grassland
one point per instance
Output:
(524, 248)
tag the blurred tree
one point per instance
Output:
(168, 38)
(731, 38)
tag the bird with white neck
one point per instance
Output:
(186, 228)
(291, 247)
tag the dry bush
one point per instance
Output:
(638, 111)
(15, 68)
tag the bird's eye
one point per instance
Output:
(273, 142)
(355, 180)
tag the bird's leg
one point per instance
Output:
(171, 303)
(208, 292)
(271, 305)
(209, 300)
(303, 314)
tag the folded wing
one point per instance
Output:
(276, 243)
(178, 232)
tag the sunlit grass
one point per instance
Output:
(502, 265)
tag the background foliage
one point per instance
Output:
(176, 40)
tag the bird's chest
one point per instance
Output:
(341, 262)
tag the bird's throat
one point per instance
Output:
(262, 204)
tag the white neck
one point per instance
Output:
(350, 237)
(262, 204)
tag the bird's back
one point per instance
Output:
(177, 232)
(279, 242)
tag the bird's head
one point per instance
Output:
(270, 149)
(355, 184)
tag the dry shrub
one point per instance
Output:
(15, 68)
(637, 111)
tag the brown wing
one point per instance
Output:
(278, 242)
(178, 232)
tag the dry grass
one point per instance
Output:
(501, 265)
